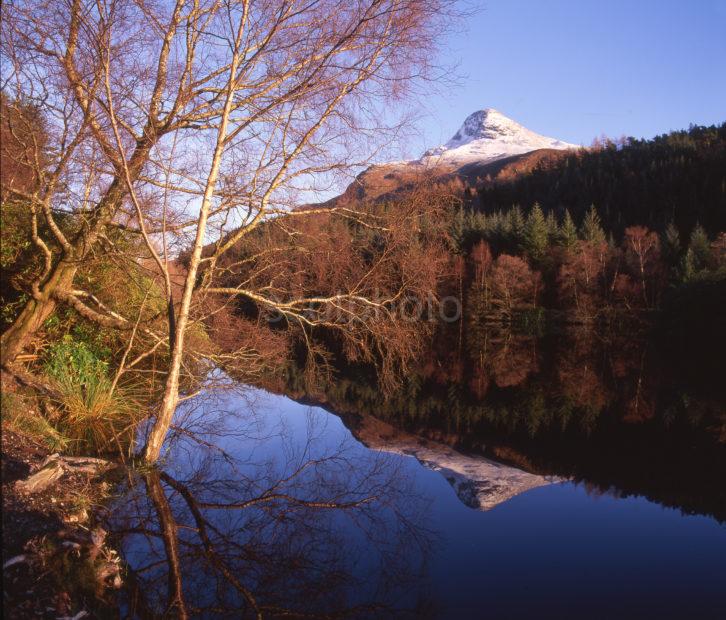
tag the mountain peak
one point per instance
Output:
(487, 135)
(486, 123)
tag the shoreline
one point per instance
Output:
(56, 559)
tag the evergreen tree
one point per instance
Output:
(457, 232)
(698, 256)
(568, 231)
(671, 245)
(642, 183)
(611, 241)
(479, 224)
(688, 267)
(516, 226)
(671, 241)
(553, 227)
(535, 234)
(700, 248)
(591, 229)
(500, 227)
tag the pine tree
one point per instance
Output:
(611, 241)
(535, 234)
(516, 226)
(671, 244)
(700, 248)
(479, 224)
(672, 240)
(591, 229)
(457, 231)
(500, 227)
(688, 266)
(568, 232)
(553, 227)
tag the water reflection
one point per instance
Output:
(506, 468)
(479, 483)
(613, 411)
(266, 507)
(259, 513)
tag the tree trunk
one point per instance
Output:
(164, 417)
(177, 330)
(35, 313)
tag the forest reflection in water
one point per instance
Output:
(620, 412)
(492, 478)
(258, 514)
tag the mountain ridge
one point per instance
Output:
(487, 135)
(487, 145)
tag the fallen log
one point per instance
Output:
(55, 466)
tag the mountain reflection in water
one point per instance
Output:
(621, 414)
(479, 482)
(586, 482)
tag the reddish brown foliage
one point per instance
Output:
(331, 264)
(641, 250)
(514, 361)
(582, 280)
(481, 257)
(514, 284)
(718, 250)
(22, 141)
(479, 382)
(580, 379)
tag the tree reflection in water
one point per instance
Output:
(621, 413)
(271, 522)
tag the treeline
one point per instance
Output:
(510, 263)
(677, 178)
(330, 287)
(621, 228)
(613, 260)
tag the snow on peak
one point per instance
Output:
(487, 135)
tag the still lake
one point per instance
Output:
(269, 506)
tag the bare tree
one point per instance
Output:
(193, 122)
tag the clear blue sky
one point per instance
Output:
(575, 69)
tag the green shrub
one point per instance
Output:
(96, 415)
(69, 361)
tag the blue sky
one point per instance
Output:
(576, 69)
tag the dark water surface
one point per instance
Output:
(268, 505)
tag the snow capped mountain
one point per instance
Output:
(488, 135)
(481, 147)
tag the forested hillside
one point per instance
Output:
(678, 178)
(628, 233)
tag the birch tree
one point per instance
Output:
(192, 123)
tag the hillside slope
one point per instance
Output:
(487, 146)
